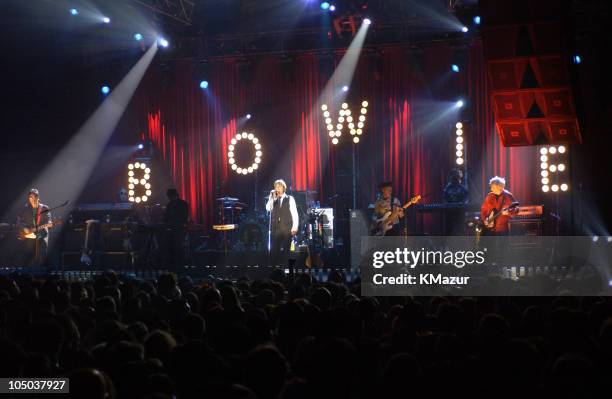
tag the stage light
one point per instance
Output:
(561, 149)
(248, 116)
(326, 114)
(564, 187)
(545, 188)
(105, 90)
(459, 147)
(325, 5)
(459, 154)
(341, 119)
(74, 11)
(138, 37)
(345, 88)
(367, 21)
(455, 68)
(476, 19)
(231, 154)
(543, 158)
(459, 161)
(204, 84)
(554, 188)
(106, 20)
(163, 42)
(330, 126)
(349, 119)
(459, 104)
(364, 104)
(459, 132)
(334, 141)
(561, 167)
(544, 173)
(135, 193)
(458, 125)
(464, 29)
(552, 168)
(552, 150)
(364, 111)
(543, 151)
(459, 139)
(332, 8)
(344, 105)
(577, 60)
(324, 107)
(544, 165)
(545, 180)
(595, 238)
(355, 139)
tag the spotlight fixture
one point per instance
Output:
(105, 90)
(74, 11)
(138, 37)
(576, 59)
(139, 186)
(106, 20)
(459, 104)
(231, 153)
(163, 42)
(464, 29)
(332, 7)
(455, 68)
(325, 5)
(140, 146)
(367, 21)
(345, 88)
(204, 84)
(248, 116)
(476, 20)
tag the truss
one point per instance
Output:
(179, 10)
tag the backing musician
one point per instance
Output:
(33, 215)
(387, 203)
(176, 218)
(498, 201)
(284, 221)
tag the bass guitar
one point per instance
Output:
(390, 218)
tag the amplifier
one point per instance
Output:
(526, 227)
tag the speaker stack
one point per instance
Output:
(525, 48)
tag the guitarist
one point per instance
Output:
(33, 215)
(498, 199)
(388, 203)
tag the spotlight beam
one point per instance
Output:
(66, 176)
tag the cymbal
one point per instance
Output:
(227, 199)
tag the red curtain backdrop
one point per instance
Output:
(408, 136)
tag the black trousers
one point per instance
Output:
(173, 248)
(280, 246)
(34, 252)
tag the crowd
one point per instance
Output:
(293, 337)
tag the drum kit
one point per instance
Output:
(243, 228)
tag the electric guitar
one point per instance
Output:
(386, 222)
(489, 221)
(32, 233)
